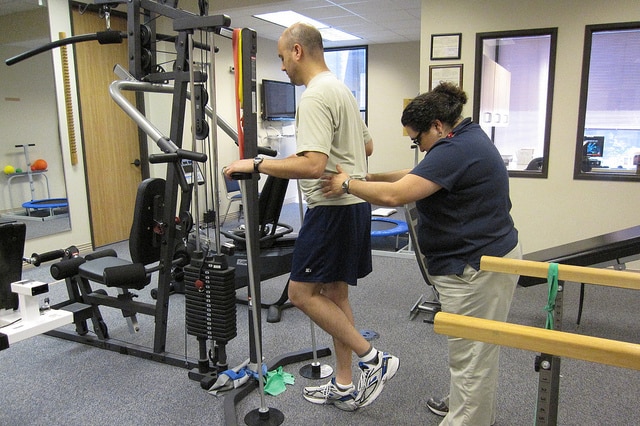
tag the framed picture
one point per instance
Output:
(445, 46)
(449, 73)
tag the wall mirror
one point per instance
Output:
(608, 140)
(513, 96)
(29, 123)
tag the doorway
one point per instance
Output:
(110, 138)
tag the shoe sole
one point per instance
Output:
(437, 412)
(392, 368)
(344, 406)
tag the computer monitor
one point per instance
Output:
(593, 146)
(278, 100)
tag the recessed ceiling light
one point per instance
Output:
(332, 34)
(289, 17)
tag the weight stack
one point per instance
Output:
(210, 299)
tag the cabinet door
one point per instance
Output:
(501, 93)
(496, 89)
(488, 89)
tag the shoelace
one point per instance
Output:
(327, 390)
(362, 383)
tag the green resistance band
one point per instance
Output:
(552, 282)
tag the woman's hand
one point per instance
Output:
(332, 182)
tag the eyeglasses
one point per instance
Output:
(416, 140)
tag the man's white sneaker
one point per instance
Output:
(374, 376)
(330, 394)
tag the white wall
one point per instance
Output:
(557, 210)
(394, 75)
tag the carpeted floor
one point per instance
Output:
(47, 380)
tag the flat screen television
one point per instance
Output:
(278, 100)
(593, 146)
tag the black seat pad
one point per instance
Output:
(94, 270)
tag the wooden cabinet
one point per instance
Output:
(495, 93)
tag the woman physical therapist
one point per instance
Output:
(461, 191)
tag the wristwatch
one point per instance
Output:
(256, 164)
(345, 186)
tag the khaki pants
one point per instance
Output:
(474, 365)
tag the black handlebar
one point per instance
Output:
(103, 37)
(37, 259)
(178, 155)
(241, 176)
(267, 151)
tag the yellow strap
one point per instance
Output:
(237, 62)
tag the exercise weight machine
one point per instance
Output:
(169, 233)
(172, 220)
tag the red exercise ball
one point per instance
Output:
(39, 164)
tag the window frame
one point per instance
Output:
(578, 174)
(534, 32)
(365, 111)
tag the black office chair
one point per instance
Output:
(430, 306)
(234, 195)
(535, 164)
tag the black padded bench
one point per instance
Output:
(612, 249)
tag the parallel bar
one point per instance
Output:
(586, 348)
(580, 274)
